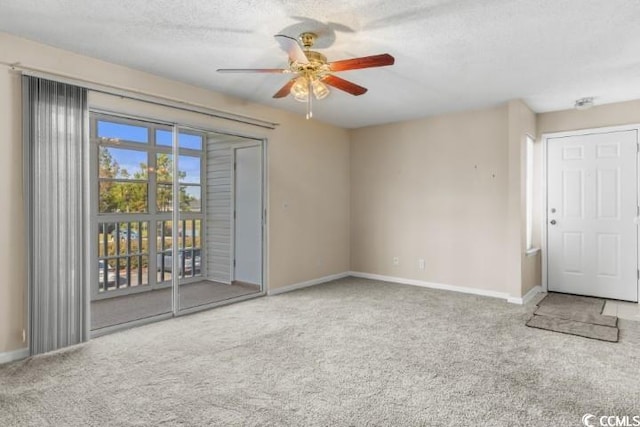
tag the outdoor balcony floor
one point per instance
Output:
(127, 308)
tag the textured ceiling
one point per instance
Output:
(450, 55)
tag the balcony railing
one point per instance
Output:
(124, 259)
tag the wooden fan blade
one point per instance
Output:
(253, 70)
(292, 47)
(364, 62)
(344, 85)
(284, 91)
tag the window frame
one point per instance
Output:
(153, 216)
(529, 189)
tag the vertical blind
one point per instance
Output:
(55, 141)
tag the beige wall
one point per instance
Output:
(308, 173)
(622, 113)
(413, 195)
(437, 189)
(12, 249)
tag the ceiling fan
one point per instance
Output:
(313, 72)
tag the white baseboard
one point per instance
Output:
(308, 283)
(527, 297)
(11, 356)
(462, 289)
(413, 282)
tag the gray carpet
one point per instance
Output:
(575, 315)
(349, 353)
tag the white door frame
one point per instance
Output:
(545, 137)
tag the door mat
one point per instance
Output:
(575, 315)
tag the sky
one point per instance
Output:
(131, 159)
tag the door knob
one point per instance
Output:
(553, 222)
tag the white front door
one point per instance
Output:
(592, 202)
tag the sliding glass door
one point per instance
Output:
(178, 218)
(130, 169)
(225, 194)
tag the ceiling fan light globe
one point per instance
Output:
(300, 90)
(301, 97)
(320, 90)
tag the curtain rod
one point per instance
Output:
(139, 96)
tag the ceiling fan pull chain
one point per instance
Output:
(309, 112)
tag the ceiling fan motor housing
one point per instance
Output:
(317, 63)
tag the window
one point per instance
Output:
(135, 177)
(123, 180)
(115, 132)
(529, 191)
(190, 141)
(188, 179)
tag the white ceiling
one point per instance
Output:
(450, 55)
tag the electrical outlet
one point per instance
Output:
(396, 260)
(420, 264)
(24, 336)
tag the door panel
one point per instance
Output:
(573, 248)
(207, 234)
(248, 209)
(608, 195)
(573, 193)
(608, 255)
(592, 206)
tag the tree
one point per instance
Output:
(164, 179)
(123, 196)
(108, 168)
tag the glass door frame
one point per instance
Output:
(249, 140)
(155, 217)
